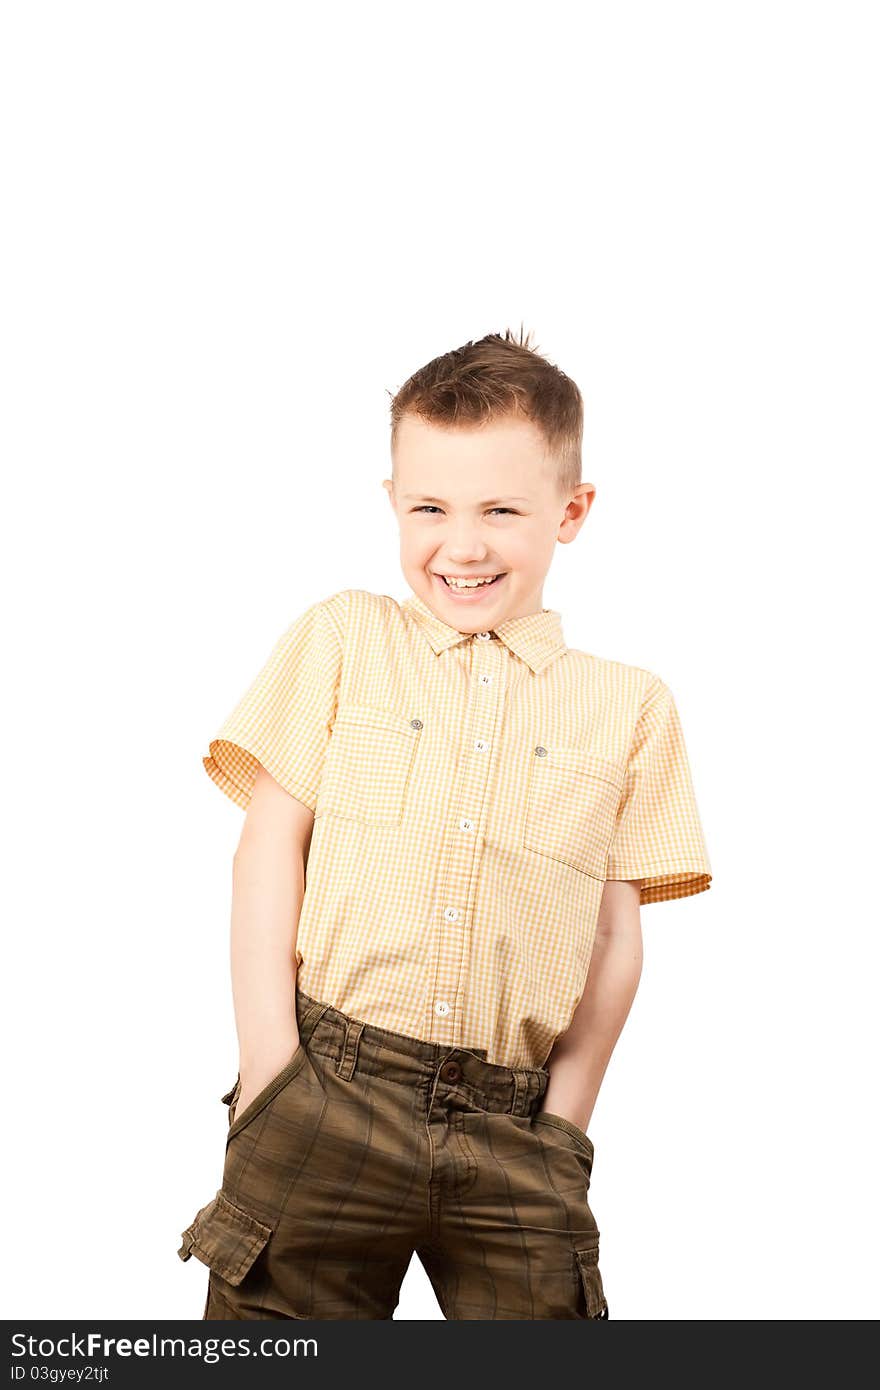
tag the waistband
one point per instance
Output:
(358, 1046)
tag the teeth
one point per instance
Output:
(468, 583)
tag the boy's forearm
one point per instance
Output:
(267, 895)
(579, 1058)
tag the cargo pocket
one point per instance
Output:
(591, 1282)
(367, 765)
(571, 807)
(225, 1238)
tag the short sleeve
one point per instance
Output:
(284, 720)
(658, 836)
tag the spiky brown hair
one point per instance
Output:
(496, 376)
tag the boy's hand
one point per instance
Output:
(256, 1074)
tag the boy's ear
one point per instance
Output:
(388, 484)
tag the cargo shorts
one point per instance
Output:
(370, 1145)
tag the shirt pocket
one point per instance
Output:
(571, 807)
(368, 765)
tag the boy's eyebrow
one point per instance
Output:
(492, 502)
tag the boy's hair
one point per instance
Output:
(495, 377)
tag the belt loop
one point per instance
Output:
(520, 1089)
(348, 1056)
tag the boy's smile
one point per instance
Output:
(464, 589)
(477, 504)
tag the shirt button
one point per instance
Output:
(481, 744)
(451, 914)
(484, 636)
(485, 680)
(441, 1007)
(465, 825)
(540, 752)
(416, 723)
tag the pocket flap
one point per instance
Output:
(225, 1238)
(373, 717)
(579, 760)
(591, 1281)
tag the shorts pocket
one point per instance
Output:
(226, 1238)
(591, 1282)
(368, 765)
(547, 1117)
(262, 1098)
(571, 807)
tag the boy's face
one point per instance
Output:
(480, 501)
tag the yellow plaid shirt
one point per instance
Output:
(471, 794)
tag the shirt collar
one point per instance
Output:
(537, 638)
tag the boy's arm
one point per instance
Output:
(268, 883)
(579, 1057)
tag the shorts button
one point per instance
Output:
(450, 1071)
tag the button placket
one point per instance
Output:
(463, 847)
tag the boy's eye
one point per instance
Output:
(428, 508)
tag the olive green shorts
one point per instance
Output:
(370, 1145)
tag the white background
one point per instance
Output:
(229, 232)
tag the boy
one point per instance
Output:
(451, 816)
